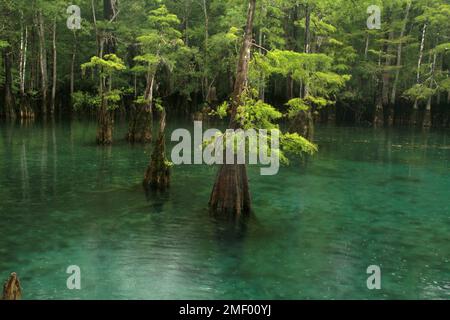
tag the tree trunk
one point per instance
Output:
(8, 107)
(105, 124)
(378, 117)
(231, 193)
(415, 114)
(206, 79)
(157, 176)
(427, 116)
(387, 107)
(43, 63)
(12, 289)
(399, 55)
(72, 66)
(54, 75)
(26, 112)
(366, 49)
(307, 29)
(141, 123)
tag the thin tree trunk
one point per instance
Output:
(43, 62)
(307, 29)
(9, 111)
(26, 111)
(22, 58)
(206, 79)
(231, 193)
(385, 90)
(72, 66)
(414, 115)
(378, 119)
(399, 55)
(366, 49)
(427, 116)
(54, 75)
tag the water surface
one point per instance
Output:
(369, 197)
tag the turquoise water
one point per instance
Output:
(370, 197)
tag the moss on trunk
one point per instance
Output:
(157, 176)
(105, 125)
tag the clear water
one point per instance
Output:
(370, 197)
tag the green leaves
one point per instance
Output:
(109, 64)
(3, 44)
(418, 92)
(295, 146)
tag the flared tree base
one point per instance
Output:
(140, 128)
(157, 176)
(231, 193)
(105, 128)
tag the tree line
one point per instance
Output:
(315, 59)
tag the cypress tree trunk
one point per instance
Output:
(231, 193)
(105, 124)
(427, 121)
(12, 289)
(378, 116)
(415, 113)
(26, 112)
(387, 107)
(43, 62)
(157, 176)
(8, 107)
(105, 118)
(54, 70)
(72, 65)
(141, 123)
(399, 56)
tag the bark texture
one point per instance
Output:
(157, 176)
(231, 192)
(12, 289)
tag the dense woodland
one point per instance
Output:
(185, 52)
(260, 61)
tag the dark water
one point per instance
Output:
(370, 197)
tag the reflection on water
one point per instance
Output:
(369, 197)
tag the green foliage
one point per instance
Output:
(113, 98)
(107, 65)
(295, 146)
(418, 92)
(3, 44)
(83, 100)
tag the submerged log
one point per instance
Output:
(12, 289)
(157, 176)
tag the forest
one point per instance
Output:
(297, 66)
(318, 55)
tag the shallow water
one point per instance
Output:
(369, 197)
